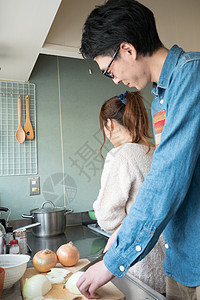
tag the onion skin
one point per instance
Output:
(44, 260)
(68, 255)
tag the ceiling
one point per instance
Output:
(64, 37)
(24, 26)
(31, 27)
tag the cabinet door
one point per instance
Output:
(64, 37)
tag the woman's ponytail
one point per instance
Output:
(129, 111)
(135, 118)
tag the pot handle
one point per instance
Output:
(4, 209)
(48, 201)
(27, 216)
(68, 212)
(28, 226)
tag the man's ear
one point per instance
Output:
(128, 49)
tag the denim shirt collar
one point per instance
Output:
(167, 69)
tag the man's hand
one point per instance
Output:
(96, 276)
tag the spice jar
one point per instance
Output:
(4, 248)
(14, 247)
(9, 234)
(20, 235)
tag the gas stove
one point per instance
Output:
(89, 243)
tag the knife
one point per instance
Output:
(83, 269)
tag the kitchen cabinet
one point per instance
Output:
(64, 37)
(60, 28)
(25, 25)
(133, 288)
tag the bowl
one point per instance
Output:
(15, 266)
(91, 214)
(2, 276)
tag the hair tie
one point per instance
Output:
(122, 97)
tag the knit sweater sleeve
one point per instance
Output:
(116, 180)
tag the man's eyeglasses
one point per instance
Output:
(107, 72)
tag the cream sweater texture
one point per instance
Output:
(124, 171)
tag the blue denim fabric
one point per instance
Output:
(169, 198)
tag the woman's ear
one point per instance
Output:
(109, 124)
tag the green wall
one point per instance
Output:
(68, 100)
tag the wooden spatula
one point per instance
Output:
(20, 134)
(28, 127)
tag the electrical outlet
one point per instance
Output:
(34, 184)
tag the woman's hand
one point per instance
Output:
(96, 276)
(111, 239)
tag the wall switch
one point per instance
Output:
(34, 184)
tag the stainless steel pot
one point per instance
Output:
(2, 237)
(52, 219)
(3, 224)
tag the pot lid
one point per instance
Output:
(48, 209)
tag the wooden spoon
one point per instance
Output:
(28, 127)
(20, 134)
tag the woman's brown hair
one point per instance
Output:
(131, 115)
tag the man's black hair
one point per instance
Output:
(119, 21)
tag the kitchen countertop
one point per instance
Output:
(90, 244)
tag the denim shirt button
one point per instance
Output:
(121, 268)
(161, 101)
(166, 246)
(138, 248)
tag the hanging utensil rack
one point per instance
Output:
(16, 158)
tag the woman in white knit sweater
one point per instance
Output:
(124, 122)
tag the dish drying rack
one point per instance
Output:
(16, 158)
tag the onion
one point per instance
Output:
(70, 285)
(56, 279)
(68, 254)
(44, 260)
(37, 285)
(57, 275)
(55, 272)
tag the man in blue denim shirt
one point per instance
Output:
(121, 37)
